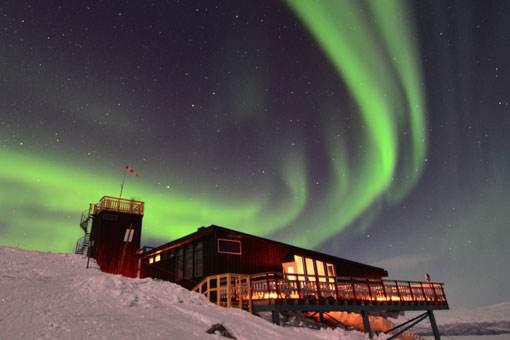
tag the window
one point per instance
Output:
(310, 269)
(320, 271)
(179, 262)
(290, 268)
(300, 267)
(199, 260)
(309, 266)
(229, 246)
(331, 272)
(151, 260)
(331, 269)
(188, 262)
(157, 258)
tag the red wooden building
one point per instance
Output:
(215, 250)
(113, 230)
(235, 269)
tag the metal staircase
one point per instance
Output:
(86, 219)
(83, 244)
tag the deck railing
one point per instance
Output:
(227, 290)
(292, 286)
(119, 205)
(231, 290)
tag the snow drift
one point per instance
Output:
(488, 320)
(46, 295)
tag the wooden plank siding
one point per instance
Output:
(112, 254)
(257, 255)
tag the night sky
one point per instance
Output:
(372, 130)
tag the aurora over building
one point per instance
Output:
(372, 130)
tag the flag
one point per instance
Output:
(130, 170)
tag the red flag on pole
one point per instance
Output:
(130, 170)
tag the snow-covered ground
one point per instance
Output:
(486, 321)
(471, 337)
(46, 295)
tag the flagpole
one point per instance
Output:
(122, 184)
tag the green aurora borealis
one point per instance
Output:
(59, 192)
(384, 89)
(388, 93)
(372, 130)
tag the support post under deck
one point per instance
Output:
(433, 324)
(275, 317)
(366, 324)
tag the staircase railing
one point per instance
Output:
(86, 219)
(227, 290)
(82, 245)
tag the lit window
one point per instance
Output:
(309, 266)
(291, 271)
(151, 260)
(331, 269)
(300, 267)
(157, 258)
(320, 270)
(289, 268)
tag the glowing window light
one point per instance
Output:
(320, 270)
(309, 267)
(300, 267)
(331, 269)
(151, 260)
(289, 268)
(157, 258)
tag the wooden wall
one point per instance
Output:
(257, 255)
(261, 255)
(112, 254)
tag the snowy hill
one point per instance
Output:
(46, 295)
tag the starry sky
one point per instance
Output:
(371, 130)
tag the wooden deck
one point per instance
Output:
(276, 291)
